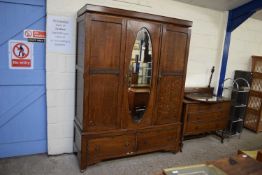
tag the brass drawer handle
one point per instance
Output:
(129, 153)
(91, 123)
(159, 76)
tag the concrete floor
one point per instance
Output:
(195, 151)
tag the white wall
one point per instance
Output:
(205, 52)
(246, 41)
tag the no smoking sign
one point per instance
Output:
(20, 55)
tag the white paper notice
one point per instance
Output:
(60, 34)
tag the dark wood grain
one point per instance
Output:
(105, 78)
(242, 165)
(110, 147)
(133, 27)
(200, 117)
(259, 155)
(88, 8)
(104, 128)
(165, 138)
(169, 99)
(171, 78)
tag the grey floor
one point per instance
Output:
(195, 151)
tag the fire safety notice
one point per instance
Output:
(20, 55)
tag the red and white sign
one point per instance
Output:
(35, 34)
(20, 55)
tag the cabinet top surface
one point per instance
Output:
(132, 14)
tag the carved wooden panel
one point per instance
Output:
(173, 59)
(169, 99)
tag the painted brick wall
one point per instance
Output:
(246, 41)
(205, 52)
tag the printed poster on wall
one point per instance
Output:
(21, 55)
(60, 34)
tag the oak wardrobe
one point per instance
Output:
(130, 76)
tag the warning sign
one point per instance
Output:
(35, 35)
(20, 55)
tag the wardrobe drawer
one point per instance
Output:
(209, 107)
(198, 127)
(207, 116)
(110, 147)
(158, 139)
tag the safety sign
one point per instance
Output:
(35, 35)
(20, 55)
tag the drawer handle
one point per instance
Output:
(97, 148)
(170, 139)
(129, 153)
(91, 123)
(159, 76)
(127, 144)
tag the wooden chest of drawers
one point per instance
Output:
(200, 117)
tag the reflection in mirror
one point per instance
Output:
(140, 75)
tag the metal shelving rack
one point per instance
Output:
(239, 99)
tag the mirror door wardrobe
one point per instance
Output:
(130, 76)
(141, 60)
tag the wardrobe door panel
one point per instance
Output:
(173, 52)
(169, 99)
(139, 96)
(104, 72)
(171, 78)
(106, 42)
(103, 106)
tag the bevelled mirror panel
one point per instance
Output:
(140, 75)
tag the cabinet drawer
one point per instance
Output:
(209, 107)
(207, 116)
(158, 139)
(198, 127)
(110, 147)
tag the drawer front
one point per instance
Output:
(110, 147)
(209, 107)
(198, 127)
(207, 116)
(158, 139)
